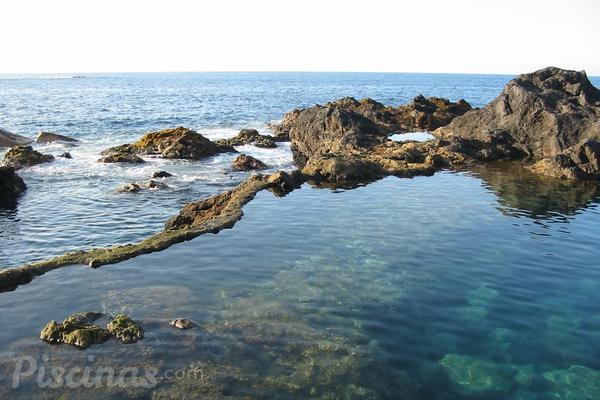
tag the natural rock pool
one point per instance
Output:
(478, 284)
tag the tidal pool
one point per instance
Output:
(479, 284)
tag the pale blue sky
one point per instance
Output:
(509, 36)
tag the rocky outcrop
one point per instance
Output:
(137, 187)
(282, 129)
(182, 324)
(428, 114)
(11, 187)
(77, 330)
(178, 143)
(24, 156)
(8, 139)
(348, 140)
(249, 136)
(244, 162)
(551, 116)
(66, 155)
(49, 137)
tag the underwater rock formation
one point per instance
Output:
(577, 382)
(471, 376)
(11, 187)
(250, 136)
(77, 330)
(24, 156)
(49, 137)
(8, 139)
(244, 162)
(178, 143)
(551, 116)
(125, 329)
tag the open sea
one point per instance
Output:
(478, 284)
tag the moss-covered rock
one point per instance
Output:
(125, 329)
(76, 330)
(25, 156)
(250, 136)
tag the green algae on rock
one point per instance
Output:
(125, 329)
(76, 330)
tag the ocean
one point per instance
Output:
(478, 284)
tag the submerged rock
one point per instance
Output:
(249, 136)
(76, 330)
(244, 162)
(471, 376)
(576, 383)
(48, 137)
(24, 156)
(182, 323)
(137, 187)
(161, 174)
(66, 155)
(8, 139)
(125, 329)
(178, 143)
(11, 187)
(120, 155)
(129, 188)
(551, 116)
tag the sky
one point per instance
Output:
(460, 36)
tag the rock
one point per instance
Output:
(182, 323)
(125, 329)
(249, 136)
(130, 188)
(118, 156)
(247, 163)
(76, 330)
(11, 187)
(348, 140)
(48, 137)
(551, 116)
(428, 114)
(153, 185)
(471, 376)
(282, 129)
(24, 156)
(66, 155)
(161, 174)
(178, 143)
(575, 383)
(8, 139)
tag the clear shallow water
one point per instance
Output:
(478, 285)
(73, 204)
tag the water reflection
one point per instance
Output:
(524, 194)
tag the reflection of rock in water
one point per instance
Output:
(522, 193)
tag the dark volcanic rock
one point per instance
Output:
(49, 137)
(551, 116)
(161, 174)
(11, 187)
(430, 113)
(282, 129)
(348, 140)
(24, 156)
(247, 163)
(249, 136)
(66, 155)
(8, 139)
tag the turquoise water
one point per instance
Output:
(480, 285)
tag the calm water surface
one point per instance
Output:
(480, 284)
